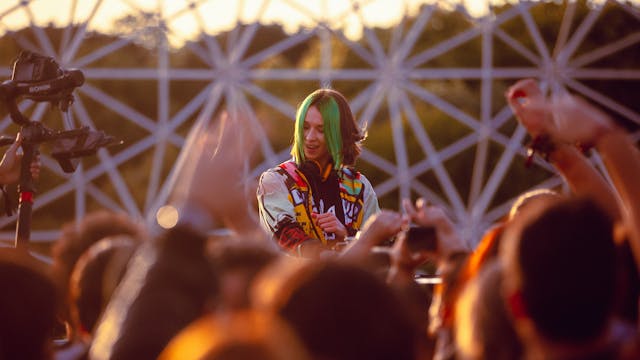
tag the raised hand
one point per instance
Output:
(577, 121)
(383, 226)
(564, 117)
(424, 214)
(530, 106)
(403, 261)
(213, 177)
(378, 228)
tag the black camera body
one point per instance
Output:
(40, 78)
(31, 67)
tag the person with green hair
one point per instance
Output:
(315, 201)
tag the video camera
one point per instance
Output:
(40, 78)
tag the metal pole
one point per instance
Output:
(26, 189)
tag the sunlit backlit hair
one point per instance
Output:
(529, 196)
(341, 131)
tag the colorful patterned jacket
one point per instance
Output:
(286, 201)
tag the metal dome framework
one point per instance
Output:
(392, 77)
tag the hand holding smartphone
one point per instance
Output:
(422, 238)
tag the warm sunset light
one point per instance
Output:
(221, 15)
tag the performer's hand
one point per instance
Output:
(10, 164)
(329, 223)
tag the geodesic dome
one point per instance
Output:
(402, 78)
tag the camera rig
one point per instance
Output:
(41, 79)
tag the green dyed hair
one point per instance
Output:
(330, 111)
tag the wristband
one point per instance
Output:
(543, 145)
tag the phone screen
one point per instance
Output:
(422, 238)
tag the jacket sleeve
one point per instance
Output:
(277, 214)
(370, 199)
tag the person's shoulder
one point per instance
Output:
(353, 174)
(280, 168)
(365, 183)
(278, 173)
(271, 174)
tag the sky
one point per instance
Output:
(212, 16)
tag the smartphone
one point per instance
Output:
(422, 238)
